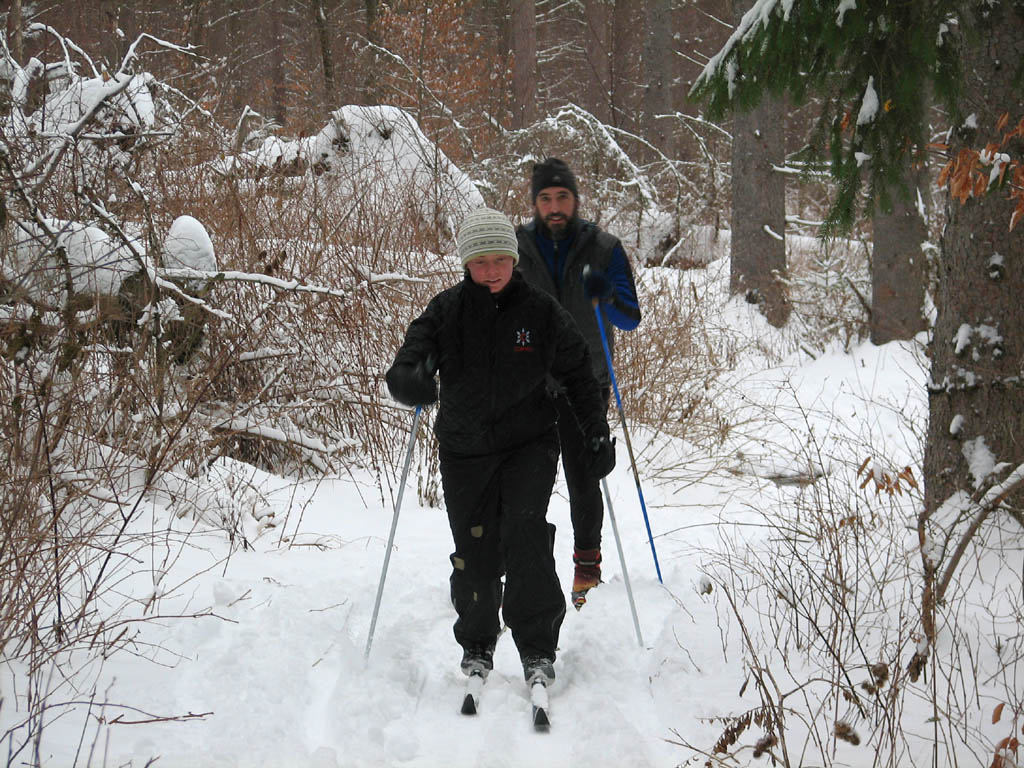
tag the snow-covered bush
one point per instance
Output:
(163, 318)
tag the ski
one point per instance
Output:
(539, 700)
(474, 686)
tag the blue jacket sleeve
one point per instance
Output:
(623, 311)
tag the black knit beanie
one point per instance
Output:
(551, 173)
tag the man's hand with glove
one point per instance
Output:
(599, 450)
(412, 384)
(597, 286)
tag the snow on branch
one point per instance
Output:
(246, 425)
(132, 54)
(185, 273)
(990, 501)
(462, 130)
(92, 97)
(603, 133)
(374, 278)
(65, 44)
(758, 14)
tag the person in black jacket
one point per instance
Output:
(495, 340)
(579, 264)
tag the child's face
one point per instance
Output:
(491, 269)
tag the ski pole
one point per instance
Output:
(394, 526)
(625, 431)
(622, 561)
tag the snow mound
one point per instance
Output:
(96, 263)
(188, 246)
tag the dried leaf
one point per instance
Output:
(867, 479)
(845, 732)
(980, 185)
(943, 176)
(997, 713)
(765, 743)
(916, 666)
(863, 465)
(1003, 121)
(1002, 172)
(731, 734)
(908, 475)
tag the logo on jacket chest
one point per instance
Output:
(523, 341)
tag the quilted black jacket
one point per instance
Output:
(494, 353)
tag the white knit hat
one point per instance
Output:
(484, 231)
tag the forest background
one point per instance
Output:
(141, 390)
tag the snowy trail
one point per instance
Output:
(273, 675)
(282, 670)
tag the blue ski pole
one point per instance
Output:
(625, 431)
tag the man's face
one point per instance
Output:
(555, 206)
(491, 269)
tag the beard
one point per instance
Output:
(558, 226)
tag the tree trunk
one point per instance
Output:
(235, 43)
(657, 74)
(15, 23)
(597, 73)
(326, 58)
(371, 78)
(195, 22)
(278, 68)
(110, 19)
(758, 247)
(524, 62)
(977, 376)
(625, 41)
(897, 268)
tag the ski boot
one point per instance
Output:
(587, 574)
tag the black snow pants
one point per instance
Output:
(586, 506)
(497, 506)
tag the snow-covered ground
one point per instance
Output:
(269, 669)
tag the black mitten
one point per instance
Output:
(411, 384)
(597, 285)
(600, 450)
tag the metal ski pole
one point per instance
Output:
(625, 431)
(394, 526)
(622, 561)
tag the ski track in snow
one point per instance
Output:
(281, 668)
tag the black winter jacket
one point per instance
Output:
(494, 353)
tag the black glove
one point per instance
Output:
(596, 284)
(412, 384)
(599, 451)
